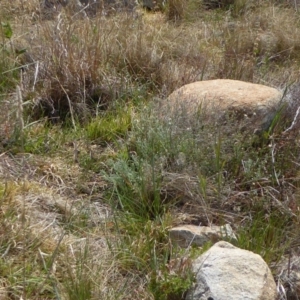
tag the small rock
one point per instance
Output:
(227, 272)
(187, 235)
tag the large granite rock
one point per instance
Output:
(226, 102)
(227, 272)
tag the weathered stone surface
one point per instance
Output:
(252, 105)
(187, 235)
(227, 272)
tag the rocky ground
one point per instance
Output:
(96, 169)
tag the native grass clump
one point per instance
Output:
(93, 175)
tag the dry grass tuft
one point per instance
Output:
(80, 69)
